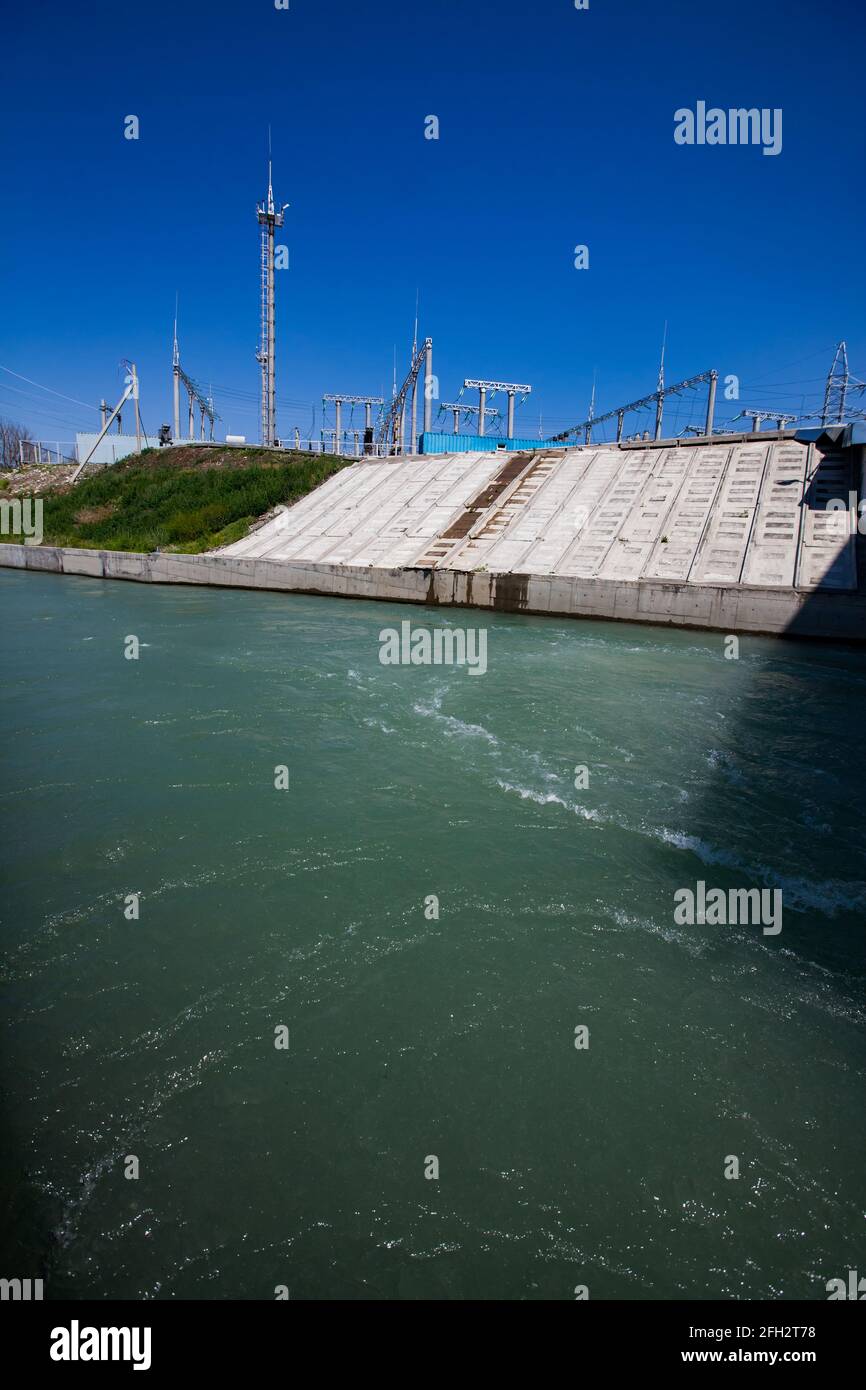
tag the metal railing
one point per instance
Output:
(349, 444)
(34, 452)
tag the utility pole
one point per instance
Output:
(130, 391)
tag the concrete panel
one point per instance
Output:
(771, 559)
(827, 543)
(722, 551)
(674, 551)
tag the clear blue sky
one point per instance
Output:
(556, 128)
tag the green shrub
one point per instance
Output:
(152, 504)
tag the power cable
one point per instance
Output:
(47, 388)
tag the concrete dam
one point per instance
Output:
(731, 532)
(734, 532)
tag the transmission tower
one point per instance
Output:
(836, 390)
(392, 427)
(269, 219)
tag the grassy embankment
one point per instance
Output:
(184, 499)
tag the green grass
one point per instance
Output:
(155, 503)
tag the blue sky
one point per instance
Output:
(556, 129)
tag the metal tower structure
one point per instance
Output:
(196, 397)
(269, 218)
(837, 387)
(656, 397)
(392, 432)
(511, 390)
(758, 417)
(460, 408)
(338, 402)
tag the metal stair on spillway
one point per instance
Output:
(491, 512)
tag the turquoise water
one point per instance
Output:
(411, 1037)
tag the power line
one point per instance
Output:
(47, 388)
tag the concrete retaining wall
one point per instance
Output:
(732, 609)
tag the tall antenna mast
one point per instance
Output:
(269, 219)
(175, 375)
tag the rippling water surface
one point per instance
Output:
(412, 1037)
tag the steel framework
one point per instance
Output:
(757, 418)
(654, 398)
(839, 384)
(459, 409)
(195, 395)
(338, 402)
(511, 388)
(392, 428)
(269, 218)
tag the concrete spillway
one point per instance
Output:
(732, 533)
(743, 515)
(752, 512)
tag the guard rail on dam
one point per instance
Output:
(731, 532)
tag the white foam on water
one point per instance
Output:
(828, 897)
(549, 798)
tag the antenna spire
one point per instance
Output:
(660, 389)
(591, 416)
